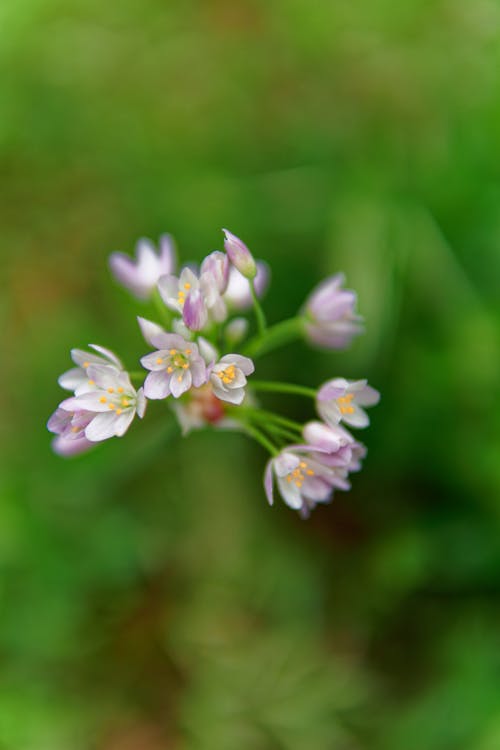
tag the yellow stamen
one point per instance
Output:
(120, 390)
(75, 429)
(172, 352)
(187, 286)
(310, 472)
(347, 409)
(170, 369)
(111, 406)
(91, 382)
(179, 379)
(103, 399)
(86, 364)
(185, 366)
(302, 464)
(187, 351)
(125, 402)
(159, 361)
(119, 411)
(111, 390)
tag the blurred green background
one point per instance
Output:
(149, 597)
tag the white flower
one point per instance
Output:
(341, 400)
(113, 403)
(174, 367)
(228, 377)
(77, 379)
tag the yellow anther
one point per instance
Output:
(187, 351)
(170, 369)
(119, 411)
(220, 374)
(75, 429)
(298, 484)
(111, 406)
(103, 399)
(347, 409)
(288, 478)
(159, 361)
(302, 464)
(179, 379)
(111, 390)
(185, 366)
(86, 364)
(91, 382)
(172, 352)
(186, 286)
(120, 389)
(226, 380)
(125, 402)
(310, 472)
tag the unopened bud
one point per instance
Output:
(239, 255)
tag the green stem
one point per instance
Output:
(299, 390)
(259, 312)
(278, 335)
(268, 416)
(260, 438)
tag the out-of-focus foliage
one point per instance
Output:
(149, 598)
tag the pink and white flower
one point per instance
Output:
(69, 427)
(239, 255)
(341, 400)
(197, 299)
(302, 479)
(140, 276)
(110, 407)
(228, 377)
(77, 379)
(174, 367)
(330, 320)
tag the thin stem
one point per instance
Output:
(260, 438)
(268, 416)
(259, 312)
(278, 335)
(299, 390)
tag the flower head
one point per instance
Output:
(77, 379)
(141, 275)
(174, 367)
(340, 400)
(108, 409)
(330, 318)
(239, 255)
(302, 479)
(228, 377)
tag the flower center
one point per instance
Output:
(117, 403)
(181, 294)
(228, 375)
(298, 475)
(344, 403)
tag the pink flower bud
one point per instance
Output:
(239, 255)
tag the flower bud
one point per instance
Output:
(239, 255)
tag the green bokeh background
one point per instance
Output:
(149, 597)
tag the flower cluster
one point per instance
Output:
(192, 365)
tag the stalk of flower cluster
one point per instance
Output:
(275, 336)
